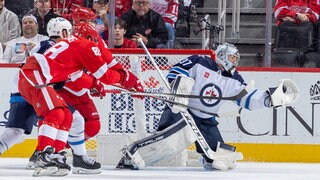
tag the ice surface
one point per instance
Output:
(13, 168)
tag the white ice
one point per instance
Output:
(13, 168)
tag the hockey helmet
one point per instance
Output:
(228, 56)
(82, 14)
(59, 27)
(86, 30)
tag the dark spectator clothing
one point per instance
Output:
(42, 23)
(151, 25)
(127, 43)
(289, 8)
(20, 8)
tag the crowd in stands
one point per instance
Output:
(297, 34)
(154, 21)
(25, 25)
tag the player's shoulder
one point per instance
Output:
(205, 61)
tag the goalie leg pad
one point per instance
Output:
(181, 85)
(226, 157)
(159, 146)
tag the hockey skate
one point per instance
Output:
(60, 161)
(85, 165)
(44, 166)
(32, 160)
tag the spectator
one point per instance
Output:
(145, 23)
(168, 9)
(43, 12)
(119, 40)
(66, 7)
(122, 6)
(18, 49)
(10, 26)
(296, 11)
(101, 8)
(20, 8)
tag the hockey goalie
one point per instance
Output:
(181, 126)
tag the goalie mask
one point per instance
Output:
(228, 56)
(87, 31)
(59, 27)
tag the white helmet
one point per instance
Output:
(59, 27)
(222, 53)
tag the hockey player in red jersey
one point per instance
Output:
(64, 61)
(296, 11)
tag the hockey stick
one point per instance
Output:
(124, 91)
(38, 86)
(188, 118)
(231, 98)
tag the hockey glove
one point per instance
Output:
(130, 82)
(97, 89)
(286, 92)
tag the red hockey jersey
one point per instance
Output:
(57, 65)
(289, 8)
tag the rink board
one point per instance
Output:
(289, 134)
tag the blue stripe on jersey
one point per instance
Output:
(248, 99)
(180, 70)
(171, 76)
(238, 102)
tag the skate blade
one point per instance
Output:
(30, 166)
(85, 171)
(44, 171)
(61, 172)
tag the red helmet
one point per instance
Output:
(86, 30)
(82, 14)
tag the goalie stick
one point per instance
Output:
(231, 98)
(190, 121)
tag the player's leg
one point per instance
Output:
(154, 148)
(210, 131)
(82, 164)
(85, 125)
(21, 120)
(173, 136)
(81, 161)
(49, 105)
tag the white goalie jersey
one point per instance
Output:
(211, 81)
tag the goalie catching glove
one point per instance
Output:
(286, 92)
(130, 82)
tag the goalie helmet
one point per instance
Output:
(59, 27)
(87, 31)
(228, 56)
(82, 14)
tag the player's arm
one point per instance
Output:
(284, 93)
(99, 69)
(182, 68)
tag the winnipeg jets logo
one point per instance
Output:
(210, 90)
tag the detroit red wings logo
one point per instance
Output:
(151, 82)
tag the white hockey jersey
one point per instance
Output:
(211, 81)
